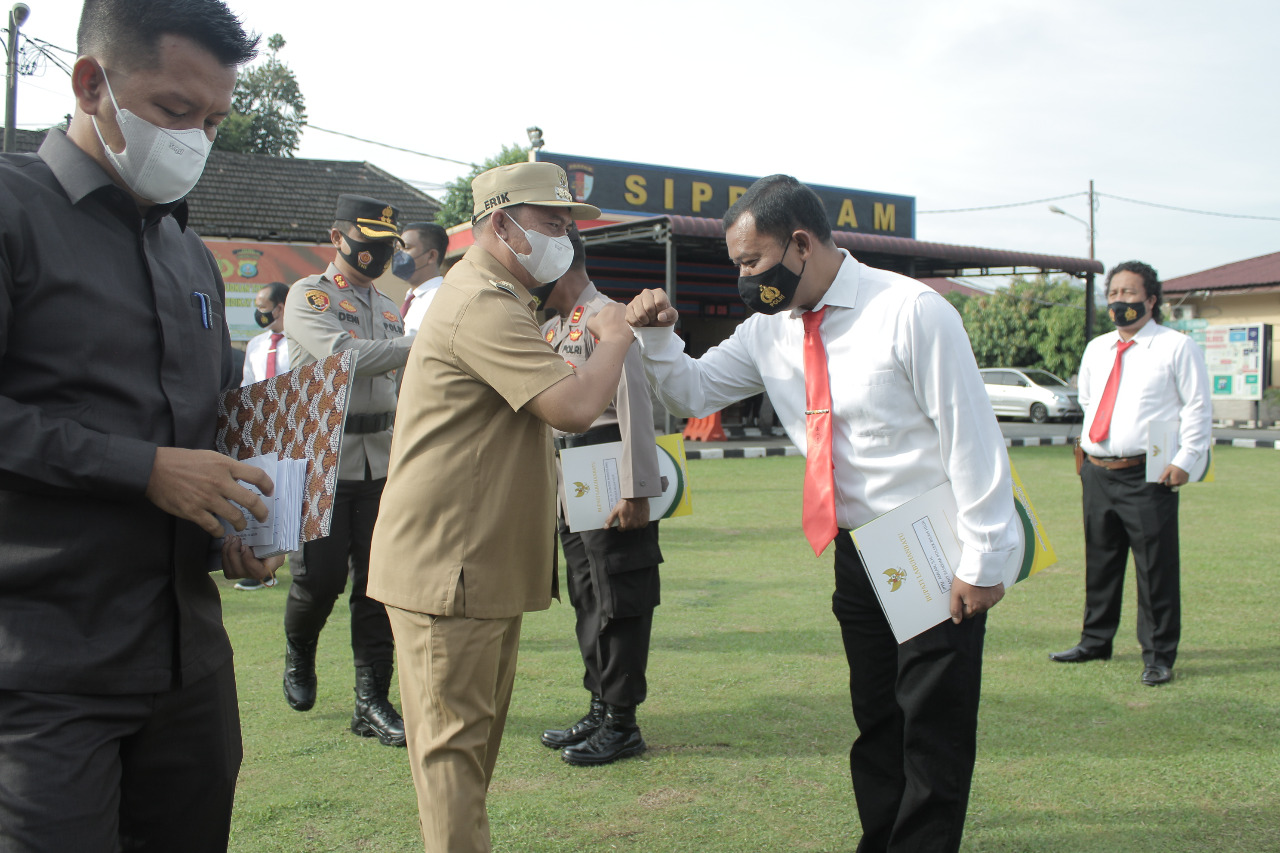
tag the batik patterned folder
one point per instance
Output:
(300, 415)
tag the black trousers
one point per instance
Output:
(323, 576)
(614, 586)
(153, 772)
(1123, 513)
(916, 707)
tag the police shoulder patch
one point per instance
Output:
(318, 299)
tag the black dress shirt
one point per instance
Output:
(112, 343)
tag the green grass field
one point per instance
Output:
(748, 718)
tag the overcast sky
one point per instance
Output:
(960, 104)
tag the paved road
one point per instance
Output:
(753, 444)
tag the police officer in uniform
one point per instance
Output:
(338, 310)
(613, 572)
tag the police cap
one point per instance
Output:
(376, 220)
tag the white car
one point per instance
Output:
(1028, 393)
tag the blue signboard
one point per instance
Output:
(638, 188)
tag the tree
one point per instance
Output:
(268, 111)
(1034, 322)
(458, 204)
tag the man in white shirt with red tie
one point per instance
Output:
(1140, 373)
(889, 413)
(267, 354)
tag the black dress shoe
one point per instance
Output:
(1155, 675)
(1079, 654)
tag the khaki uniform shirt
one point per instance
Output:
(326, 314)
(631, 409)
(467, 523)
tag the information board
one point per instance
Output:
(1238, 358)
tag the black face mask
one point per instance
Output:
(771, 291)
(264, 318)
(376, 255)
(1126, 313)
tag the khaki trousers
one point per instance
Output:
(456, 675)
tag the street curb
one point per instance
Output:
(1047, 441)
(740, 452)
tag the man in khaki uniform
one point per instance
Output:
(612, 572)
(466, 535)
(324, 314)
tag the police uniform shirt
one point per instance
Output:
(326, 314)
(100, 590)
(256, 353)
(631, 410)
(467, 522)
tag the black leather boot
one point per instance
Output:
(579, 731)
(300, 673)
(617, 737)
(375, 716)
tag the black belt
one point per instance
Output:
(367, 423)
(599, 435)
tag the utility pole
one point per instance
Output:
(17, 17)
(1089, 308)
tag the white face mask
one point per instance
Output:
(548, 258)
(157, 164)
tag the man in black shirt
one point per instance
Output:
(118, 719)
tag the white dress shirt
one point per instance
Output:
(1162, 378)
(909, 410)
(255, 357)
(422, 296)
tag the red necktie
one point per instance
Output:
(819, 475)
(1101, 426)
(404, 309)
(276, 338)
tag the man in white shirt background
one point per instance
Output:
(1139, 373)
(425, 244)
(267, 354)
(888, 415)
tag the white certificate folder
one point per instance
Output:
(911, 553)
(592, 485)
(1163, 444)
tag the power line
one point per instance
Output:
(49, 44)
(1189, 210)
(1002, 206)
(392, 147)
(43, 51)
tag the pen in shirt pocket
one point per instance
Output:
(201, 301)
